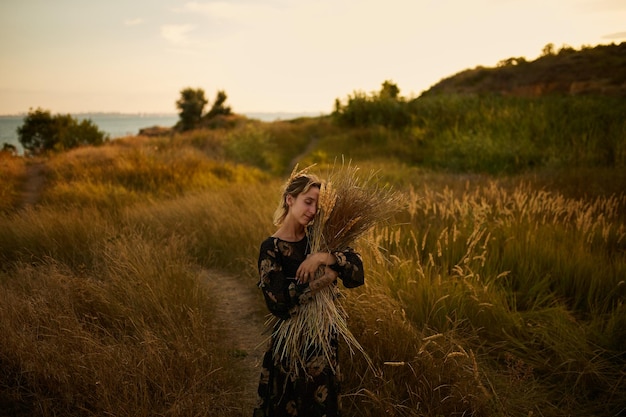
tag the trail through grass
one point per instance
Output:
(241, 321)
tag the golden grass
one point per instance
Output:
(12, 173)
(223, 227)
(485, 297)
(423, 372)
(117, 175)
(523, 278)
(127, 337)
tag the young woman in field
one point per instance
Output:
(289, 279)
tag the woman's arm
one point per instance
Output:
(272, 281)
(283, 293)
(348, 265)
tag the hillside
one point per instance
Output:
(599, 70)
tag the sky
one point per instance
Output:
(135, 56)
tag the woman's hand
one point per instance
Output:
(307, 270)
(324, 281)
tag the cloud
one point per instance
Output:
(133, 22)
(616, 35)
(223, 10)
(177, 34)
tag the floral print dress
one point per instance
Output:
(314, 393)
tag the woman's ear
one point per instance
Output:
(289, 200)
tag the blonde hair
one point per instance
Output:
(298, 183)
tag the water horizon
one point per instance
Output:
(117, 124)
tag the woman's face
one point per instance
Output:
(303, 208)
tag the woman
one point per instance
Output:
(288, 278)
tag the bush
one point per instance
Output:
(386, 108)
(43, 132)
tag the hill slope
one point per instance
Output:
(592, 70)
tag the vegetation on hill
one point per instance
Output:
(483, 133)
(599, 70)
(497, 291)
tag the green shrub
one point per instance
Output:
(43, 132)
(385, 108)
(251, 145)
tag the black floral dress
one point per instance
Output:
(312, 394)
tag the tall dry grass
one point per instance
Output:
(526, 287)
(102, 310)
(133, 334)
(486, 297)
(116, 175)
(223, 227)
(12, 173)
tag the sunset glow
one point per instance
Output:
(270, 55)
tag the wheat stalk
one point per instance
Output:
(348, 207)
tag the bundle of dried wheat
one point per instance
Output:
(349, 205)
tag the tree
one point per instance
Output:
(548, 50)
(42, 132)
(38, 133)
(389, 90)
(218, 107)
(191, 105)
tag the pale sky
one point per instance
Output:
(131, 56)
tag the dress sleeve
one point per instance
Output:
(281, 294)
(349, 266)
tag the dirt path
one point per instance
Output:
(241, 321)
(33, 185)
(312, 143)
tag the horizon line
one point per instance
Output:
(157, 113)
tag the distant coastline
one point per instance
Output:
(118, 125)
(265, 116)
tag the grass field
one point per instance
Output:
(12, 172)
(489, 294)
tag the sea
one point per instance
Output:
(118, 125)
